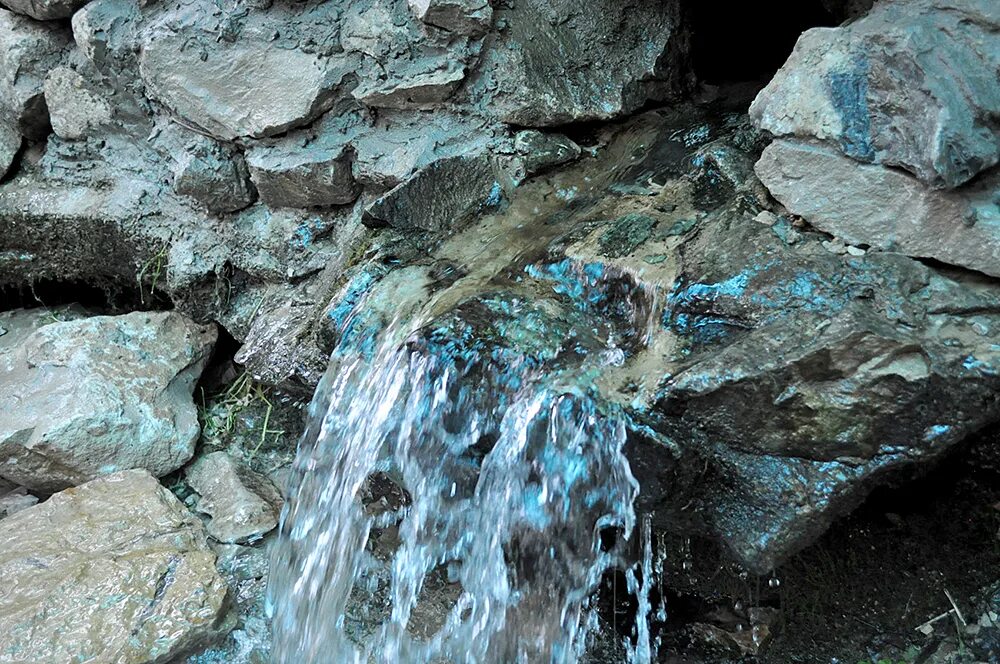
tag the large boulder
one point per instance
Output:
(93, 396)
(237, 89)
(912, 84)
(561, 61)
(886, 208)
(115, 570)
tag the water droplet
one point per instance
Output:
(774, 582)
(687, 565)
(738, 606)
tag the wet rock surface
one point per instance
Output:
(113, 570)
(242, 504)
(92, 396)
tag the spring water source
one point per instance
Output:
(448, 502)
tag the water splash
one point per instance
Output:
(447, 504)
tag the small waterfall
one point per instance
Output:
(447, 506)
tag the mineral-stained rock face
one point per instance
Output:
(215, 176)
(115, 570)
(290, 176)
(242, 504)
(886, 208)
(45, 10)
(74, 110)
(88, 397)
(468, 17)
(10, 144)
(911, 84)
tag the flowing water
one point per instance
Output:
(453, 494)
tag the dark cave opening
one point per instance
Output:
(749, 41)
(104, 296)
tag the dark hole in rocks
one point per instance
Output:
(108, 296)
(749, 41)
(859, 592)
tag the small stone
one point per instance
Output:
(116, 568)
(243, 505)
(855, 251)
(15, 501)
(766, 217)
(835, 246)
(541, 151)
(75, 109)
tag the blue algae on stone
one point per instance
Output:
(849, 93)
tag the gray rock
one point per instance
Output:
(597, 60)
(116, 568)
(104, 31)
(243, 505)
(440, 195)
(400, 143)
(28, 50)
(911, 84)
(539, 151)
(238, 89)
(10, 145)
(45, 10)
(299, 176)
(76, 110)
(886, 208)
(89, 397)
(467, 17)
(214, 175)
(425, 89)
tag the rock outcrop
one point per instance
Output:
(92, 396)
(115, 570)
(911, 85)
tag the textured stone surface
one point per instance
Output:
(296, 176)
(597, 60)
(104, 31)
(243, 505)
(75, 109)
(912, 84)
(469, 17)
(440, 195)
(92, 396)
(115, 570)
(28, 50)
(886, 208)
(236, 89)
(10, 145)
(539, 151)
(45, 10)
(214, 175)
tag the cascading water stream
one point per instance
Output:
(447, 505)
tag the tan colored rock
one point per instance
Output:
(115, 570)
(88, 397)
(75, 109)
(243, 504)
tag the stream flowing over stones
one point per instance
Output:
(499, 331)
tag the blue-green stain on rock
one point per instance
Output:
(849, 92)
(626, 234)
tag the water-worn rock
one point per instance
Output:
(237, 89)
(439, 195)
(75, 109)
(243, 505)
(539, 151)
(912, 84)
(291, 175)
(92, 396)
(886, 208)
(467, 17)
(28, 50)
(115, 570)
(597, 60)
